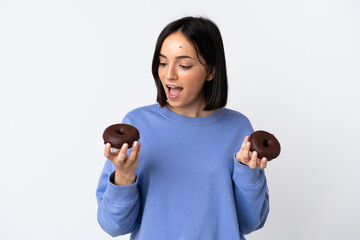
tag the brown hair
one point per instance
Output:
(207, 41)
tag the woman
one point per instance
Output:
(191, 175)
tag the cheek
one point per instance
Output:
(196, 80)
(160, 73)
(195, 87)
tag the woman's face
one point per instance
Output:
(183, 75)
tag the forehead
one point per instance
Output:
(177, 44)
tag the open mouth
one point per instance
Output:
(174, 91)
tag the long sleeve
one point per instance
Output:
(188, 185)
(251, 197)
(118, 206)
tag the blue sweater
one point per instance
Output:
(189, 184)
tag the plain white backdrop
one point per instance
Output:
(70, 68)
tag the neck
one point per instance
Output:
(190, 112)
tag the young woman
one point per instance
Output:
(191, 175)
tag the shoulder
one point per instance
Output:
(145, 112)
(142, 110)
(235, 116)
(237, 122)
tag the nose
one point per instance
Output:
(171, 72)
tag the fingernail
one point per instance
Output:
(135, 144)
(248, 144)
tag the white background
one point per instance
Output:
(70, 68)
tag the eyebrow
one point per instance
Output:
(178, 57)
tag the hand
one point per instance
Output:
(126, 166)
(248, 158)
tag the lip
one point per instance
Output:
(172, 97)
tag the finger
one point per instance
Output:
(116, 151)
(138, 151)
(121, 157)
(253, 161)
(107, 151)
(263, 163)
(245, 157)
(110, 155)
(258, 161)
(133, 153)
(246, 151)
(247, 146)
(244, 144)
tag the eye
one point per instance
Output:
(186, 67)
(161, 64)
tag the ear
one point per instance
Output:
(211, 74)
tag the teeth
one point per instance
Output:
(172, 86)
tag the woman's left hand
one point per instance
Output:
(248, 158)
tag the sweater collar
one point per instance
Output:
(192, 121)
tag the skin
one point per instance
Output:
(126, 165)
(179, 66)
(248, 158)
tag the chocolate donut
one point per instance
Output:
(118, 134)
(265, 144)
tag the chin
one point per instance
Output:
(174, 104)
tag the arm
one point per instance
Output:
(250, 189)
(251, 197)
(118, 198)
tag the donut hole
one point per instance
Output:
(266, 143)
(119, 132)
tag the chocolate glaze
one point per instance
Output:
(118, 134)
(265, 144)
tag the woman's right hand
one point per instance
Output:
(126, 166)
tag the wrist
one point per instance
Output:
(238, 160)
(124, 178)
